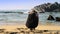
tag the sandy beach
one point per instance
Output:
(40, 27)
(13, 28)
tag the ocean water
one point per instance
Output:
(17, 18)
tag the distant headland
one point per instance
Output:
(48, 7)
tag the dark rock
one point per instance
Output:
(13, 33)
(41, 12)
(57, 18)
(32, 21)
(48, 7)
(45, 30)
(50, 17)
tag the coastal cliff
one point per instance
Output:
(48, 7)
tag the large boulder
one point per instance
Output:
(50, 17)
(57, 18)
(32, 21)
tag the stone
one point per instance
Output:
(57, 18)
(32, 20)
(50, 17)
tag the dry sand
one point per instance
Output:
(40, 27)
(13, 28)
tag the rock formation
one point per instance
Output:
(48, 7)
(57, 18)
(50, 17)
(32, 21)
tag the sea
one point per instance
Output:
(18, 18)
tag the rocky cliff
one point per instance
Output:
(48, 7)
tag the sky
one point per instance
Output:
(22, 4)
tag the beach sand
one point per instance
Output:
(13, 28)
(40, 27)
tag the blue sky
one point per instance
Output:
(22, 4)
